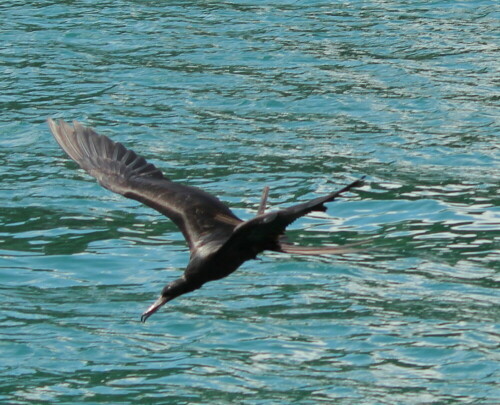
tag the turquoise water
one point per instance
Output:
(303, 96)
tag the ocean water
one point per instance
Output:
(231, 96)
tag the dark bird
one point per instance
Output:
(218, 240)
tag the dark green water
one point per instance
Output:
(303, 96)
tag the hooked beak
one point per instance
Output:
(153, 308)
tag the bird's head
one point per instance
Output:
(169, 292)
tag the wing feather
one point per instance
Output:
(265, 230)
(201, 217)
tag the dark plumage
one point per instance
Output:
(218, 240)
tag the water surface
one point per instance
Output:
(303, 96)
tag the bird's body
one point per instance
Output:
(219, 241)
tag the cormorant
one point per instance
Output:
(219, 241)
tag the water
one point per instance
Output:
(303, 96)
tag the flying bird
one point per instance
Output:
(219, 241)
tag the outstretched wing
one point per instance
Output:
(201, 217)
(266, 230)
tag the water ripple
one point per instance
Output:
(232, 96)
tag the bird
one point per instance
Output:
(219, 242)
